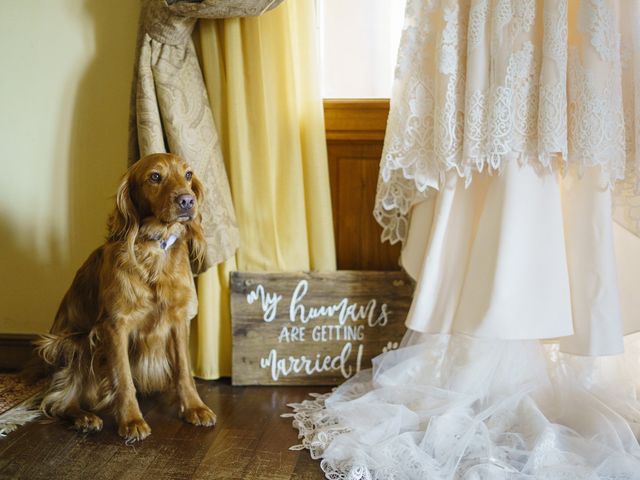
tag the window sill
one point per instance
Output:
(356, 119)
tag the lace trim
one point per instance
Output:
(596, 119)
(477, 23)
(524, 93)
(599, 21)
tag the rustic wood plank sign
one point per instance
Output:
(314, 328)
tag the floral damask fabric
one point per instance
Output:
(170, 109)
(552, 83)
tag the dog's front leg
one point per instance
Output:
(192, 408)
(131, 425)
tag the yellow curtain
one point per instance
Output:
(263, 81)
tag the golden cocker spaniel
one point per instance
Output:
(123, 325)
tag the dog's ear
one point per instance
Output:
(124, 220)
(197, 246)
(124, 217)
(197, 241)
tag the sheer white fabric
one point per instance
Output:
(454, 407)
(483, 82)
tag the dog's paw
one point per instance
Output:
(201, 416)
(134, 430)
(87, 422)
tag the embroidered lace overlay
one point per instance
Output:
(553, 83)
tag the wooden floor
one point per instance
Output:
(250, 441)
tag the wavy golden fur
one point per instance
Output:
(123, 325)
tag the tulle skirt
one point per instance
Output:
(515, 364)
(458, 407)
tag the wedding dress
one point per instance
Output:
(509, 173)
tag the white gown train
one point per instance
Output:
(513, 141)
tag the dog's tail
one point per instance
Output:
(50, 351)
(60, 357)
(58, 350)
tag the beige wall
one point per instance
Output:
(65, 70)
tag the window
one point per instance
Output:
(359, 43)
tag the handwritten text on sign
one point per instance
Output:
(310, 328)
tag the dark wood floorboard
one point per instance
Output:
(249, 442)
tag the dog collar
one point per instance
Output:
(167, 242)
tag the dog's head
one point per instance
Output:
(164, 187)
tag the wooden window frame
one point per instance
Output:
(355, 130)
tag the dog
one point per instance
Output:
(123, 326)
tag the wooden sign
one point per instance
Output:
(314, 328)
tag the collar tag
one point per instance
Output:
(170, 240)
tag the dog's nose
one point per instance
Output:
(186, 201)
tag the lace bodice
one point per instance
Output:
(554, 83)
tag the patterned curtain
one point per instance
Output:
(170, 109)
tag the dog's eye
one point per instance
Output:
(155, 177)
(188, 175)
